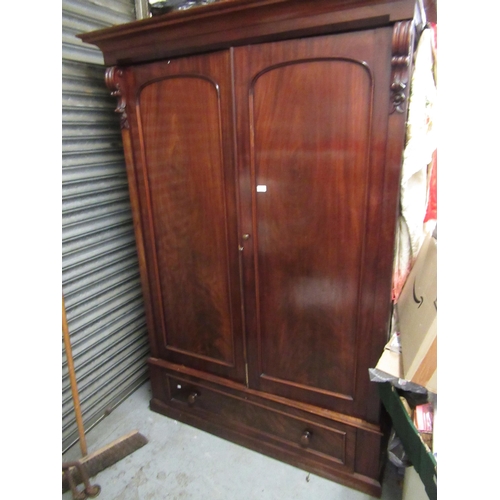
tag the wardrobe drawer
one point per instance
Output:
(331, 442)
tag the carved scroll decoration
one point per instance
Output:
(113, 79)
(403, 39)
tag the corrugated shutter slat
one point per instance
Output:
(101, 283)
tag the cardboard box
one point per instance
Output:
(413, 488)
(389, 363)
(417, 316)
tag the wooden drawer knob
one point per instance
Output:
(305, 439)
(192, 398)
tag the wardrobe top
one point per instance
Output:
(230, 23)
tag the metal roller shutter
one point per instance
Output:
(101, 285)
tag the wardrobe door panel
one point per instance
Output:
(312, 156)
(184, 128)
(313, 169)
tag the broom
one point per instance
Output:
(105, 457)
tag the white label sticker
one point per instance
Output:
(261, 188)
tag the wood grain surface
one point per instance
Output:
(311, 121)
(183, 114)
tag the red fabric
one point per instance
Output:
(434, 28)
(431, 213)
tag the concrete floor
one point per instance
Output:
(181, 462)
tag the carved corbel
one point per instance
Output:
(113, 79)
(403, 39)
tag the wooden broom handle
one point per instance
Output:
(72, 379)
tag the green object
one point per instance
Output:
(422, 459)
